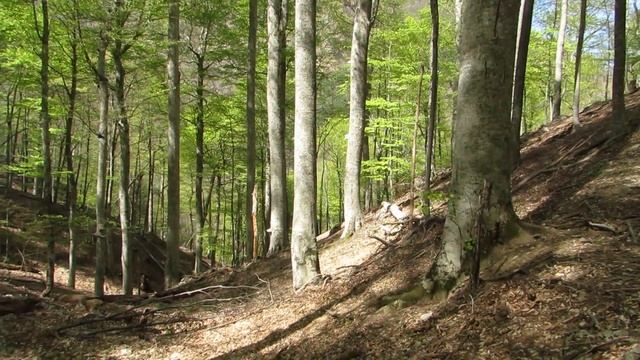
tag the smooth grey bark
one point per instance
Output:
(357, 103)
(433, 105)
(276, 75)
(619, 58)
(519, 77)
(557, 80)
(482, 136)
(101, 181)
(578, 64)
(173, 146)
(72, 180)
(117, 53)
(251, 130)
(304, 253)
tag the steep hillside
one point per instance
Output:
(571, 292)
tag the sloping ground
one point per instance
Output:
(572, 293)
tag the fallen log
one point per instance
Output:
(395, 211)
(18, 304)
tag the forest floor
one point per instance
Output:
(571, 292)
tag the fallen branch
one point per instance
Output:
(600, 346)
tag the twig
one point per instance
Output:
(268, 286)
(383, 241)
(601, 345)
(602, 227)
(632, 232)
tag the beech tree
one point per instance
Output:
(481, 147)
(557, 80)
(173, 152)
(276, 76)
(576, 75)
(362, 23)
(304, 253)
(619, 59)
(251, 130)
(433, 103)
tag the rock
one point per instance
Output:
(426, 316)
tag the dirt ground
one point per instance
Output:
(571, 292)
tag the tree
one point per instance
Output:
(519, 77)
(619, 58)
(362, 23)
(433, 102)
(276, 76)
(173, 152)
(578, 64)
(481, 148)
(251, 129)
(118, 50)
(557, 81)
(304, 253)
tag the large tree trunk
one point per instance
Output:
(304, 253)
(557, 81)
(72, 180)
(576, 75)
(123, 126)
(251, 128)
(433, 105)
(276, 75)
(619, 55)
(519, 77)
(357, 103)
(173, 157)
(101, 182)
(482, 137)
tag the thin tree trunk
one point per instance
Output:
(251, 128)
(173, 157)
(357, 103)
(576, 75)
(619, 58)
(522, 55)
(101, 181)
(199, 162)
(557, 81)
(72, 189)
(433, 105)
(276, 76)
(414, 146)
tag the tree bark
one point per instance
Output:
(519, 77)
(557, 81)
(357, 104)
(123, 125)
(173, 157)
(276, 75)
(433, 105)
(619, 58)
(576, 75)
(45, 121)
(72, 180)
(304, 253)
(483, 129)
(251, 128)
(199, 162)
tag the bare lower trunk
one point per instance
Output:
(72, 180)
(433, 105)
(619, 54)
(251, 128)
(557, 81)
(276, 74)
(304, 254)
(576, 75)
(482, 137)
(357, 104)
(173, 157)
(522, 55)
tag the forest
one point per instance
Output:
(329, 179)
